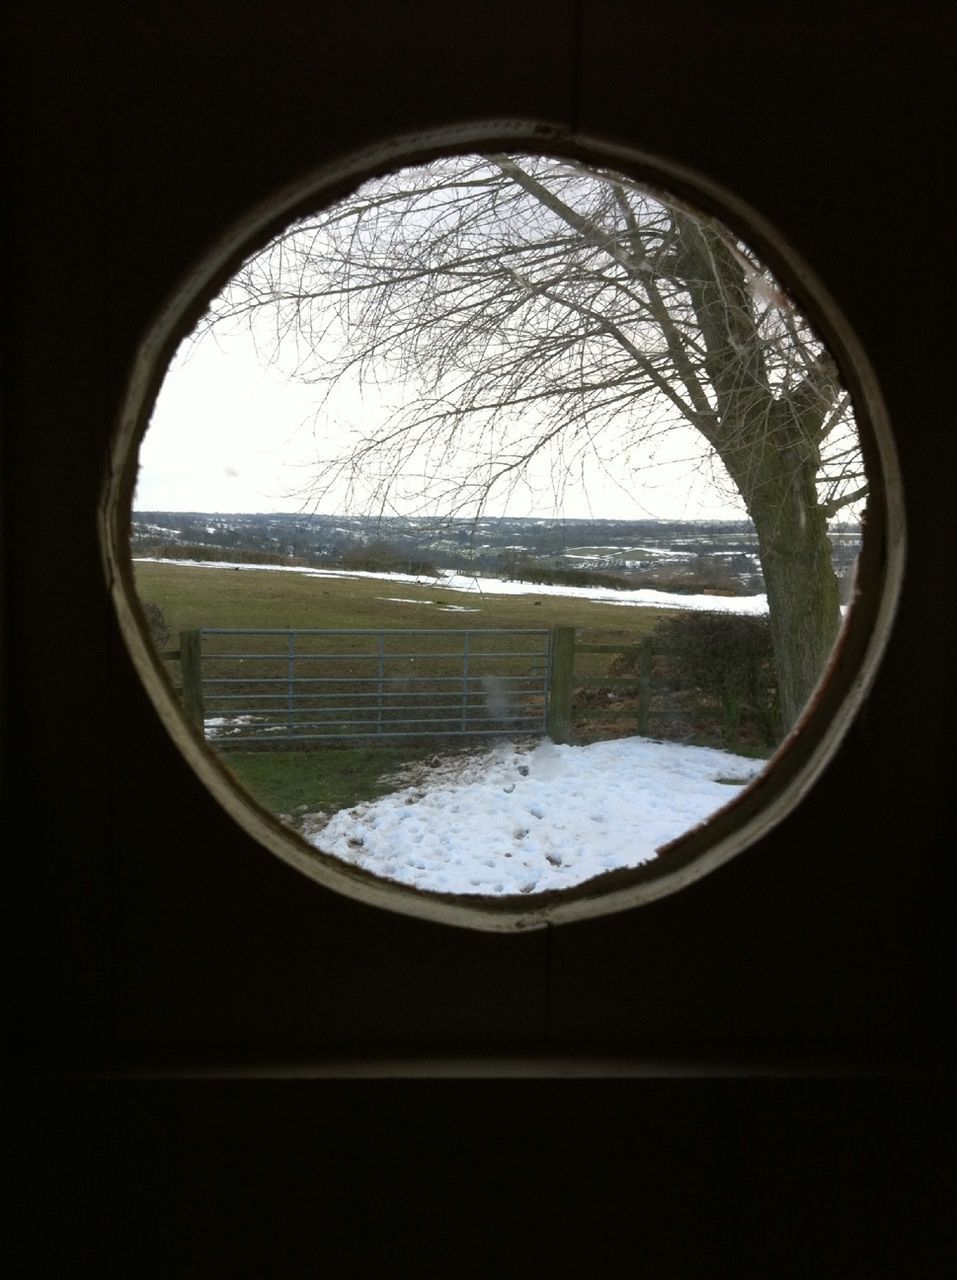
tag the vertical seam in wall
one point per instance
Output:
(549, 933)
(107, 306)
(578, 22)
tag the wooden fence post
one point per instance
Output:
(646, 649)
(560, 684)
(190, 666)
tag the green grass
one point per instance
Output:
(285, 782)
(335, 777)
(195, 597)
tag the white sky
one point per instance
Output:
(231, 434)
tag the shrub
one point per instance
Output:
(728, 658)
(374, 557)
(207, 553)
(539, 574)
(159, 629)
(691, 583)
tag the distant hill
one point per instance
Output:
(672, 554)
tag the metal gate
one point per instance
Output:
(308, 686)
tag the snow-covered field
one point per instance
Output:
(523, 819)
(450, 580)
(526, 819)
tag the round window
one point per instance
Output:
(513, 532)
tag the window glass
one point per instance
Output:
(496, 523)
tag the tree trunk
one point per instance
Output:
(802, 589)
(769, 445)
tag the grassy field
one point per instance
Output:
(201, 597)
(210, 597)
(293, 782)
(335, 776)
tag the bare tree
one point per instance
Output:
(538, 304)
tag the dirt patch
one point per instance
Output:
(448, 768)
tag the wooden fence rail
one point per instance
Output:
(191, 674)
(561, 716)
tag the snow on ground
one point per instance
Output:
(450, 580)
(517, 819)
(229, 726)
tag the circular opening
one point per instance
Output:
(590, 450)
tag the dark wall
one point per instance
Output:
(146, 931)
